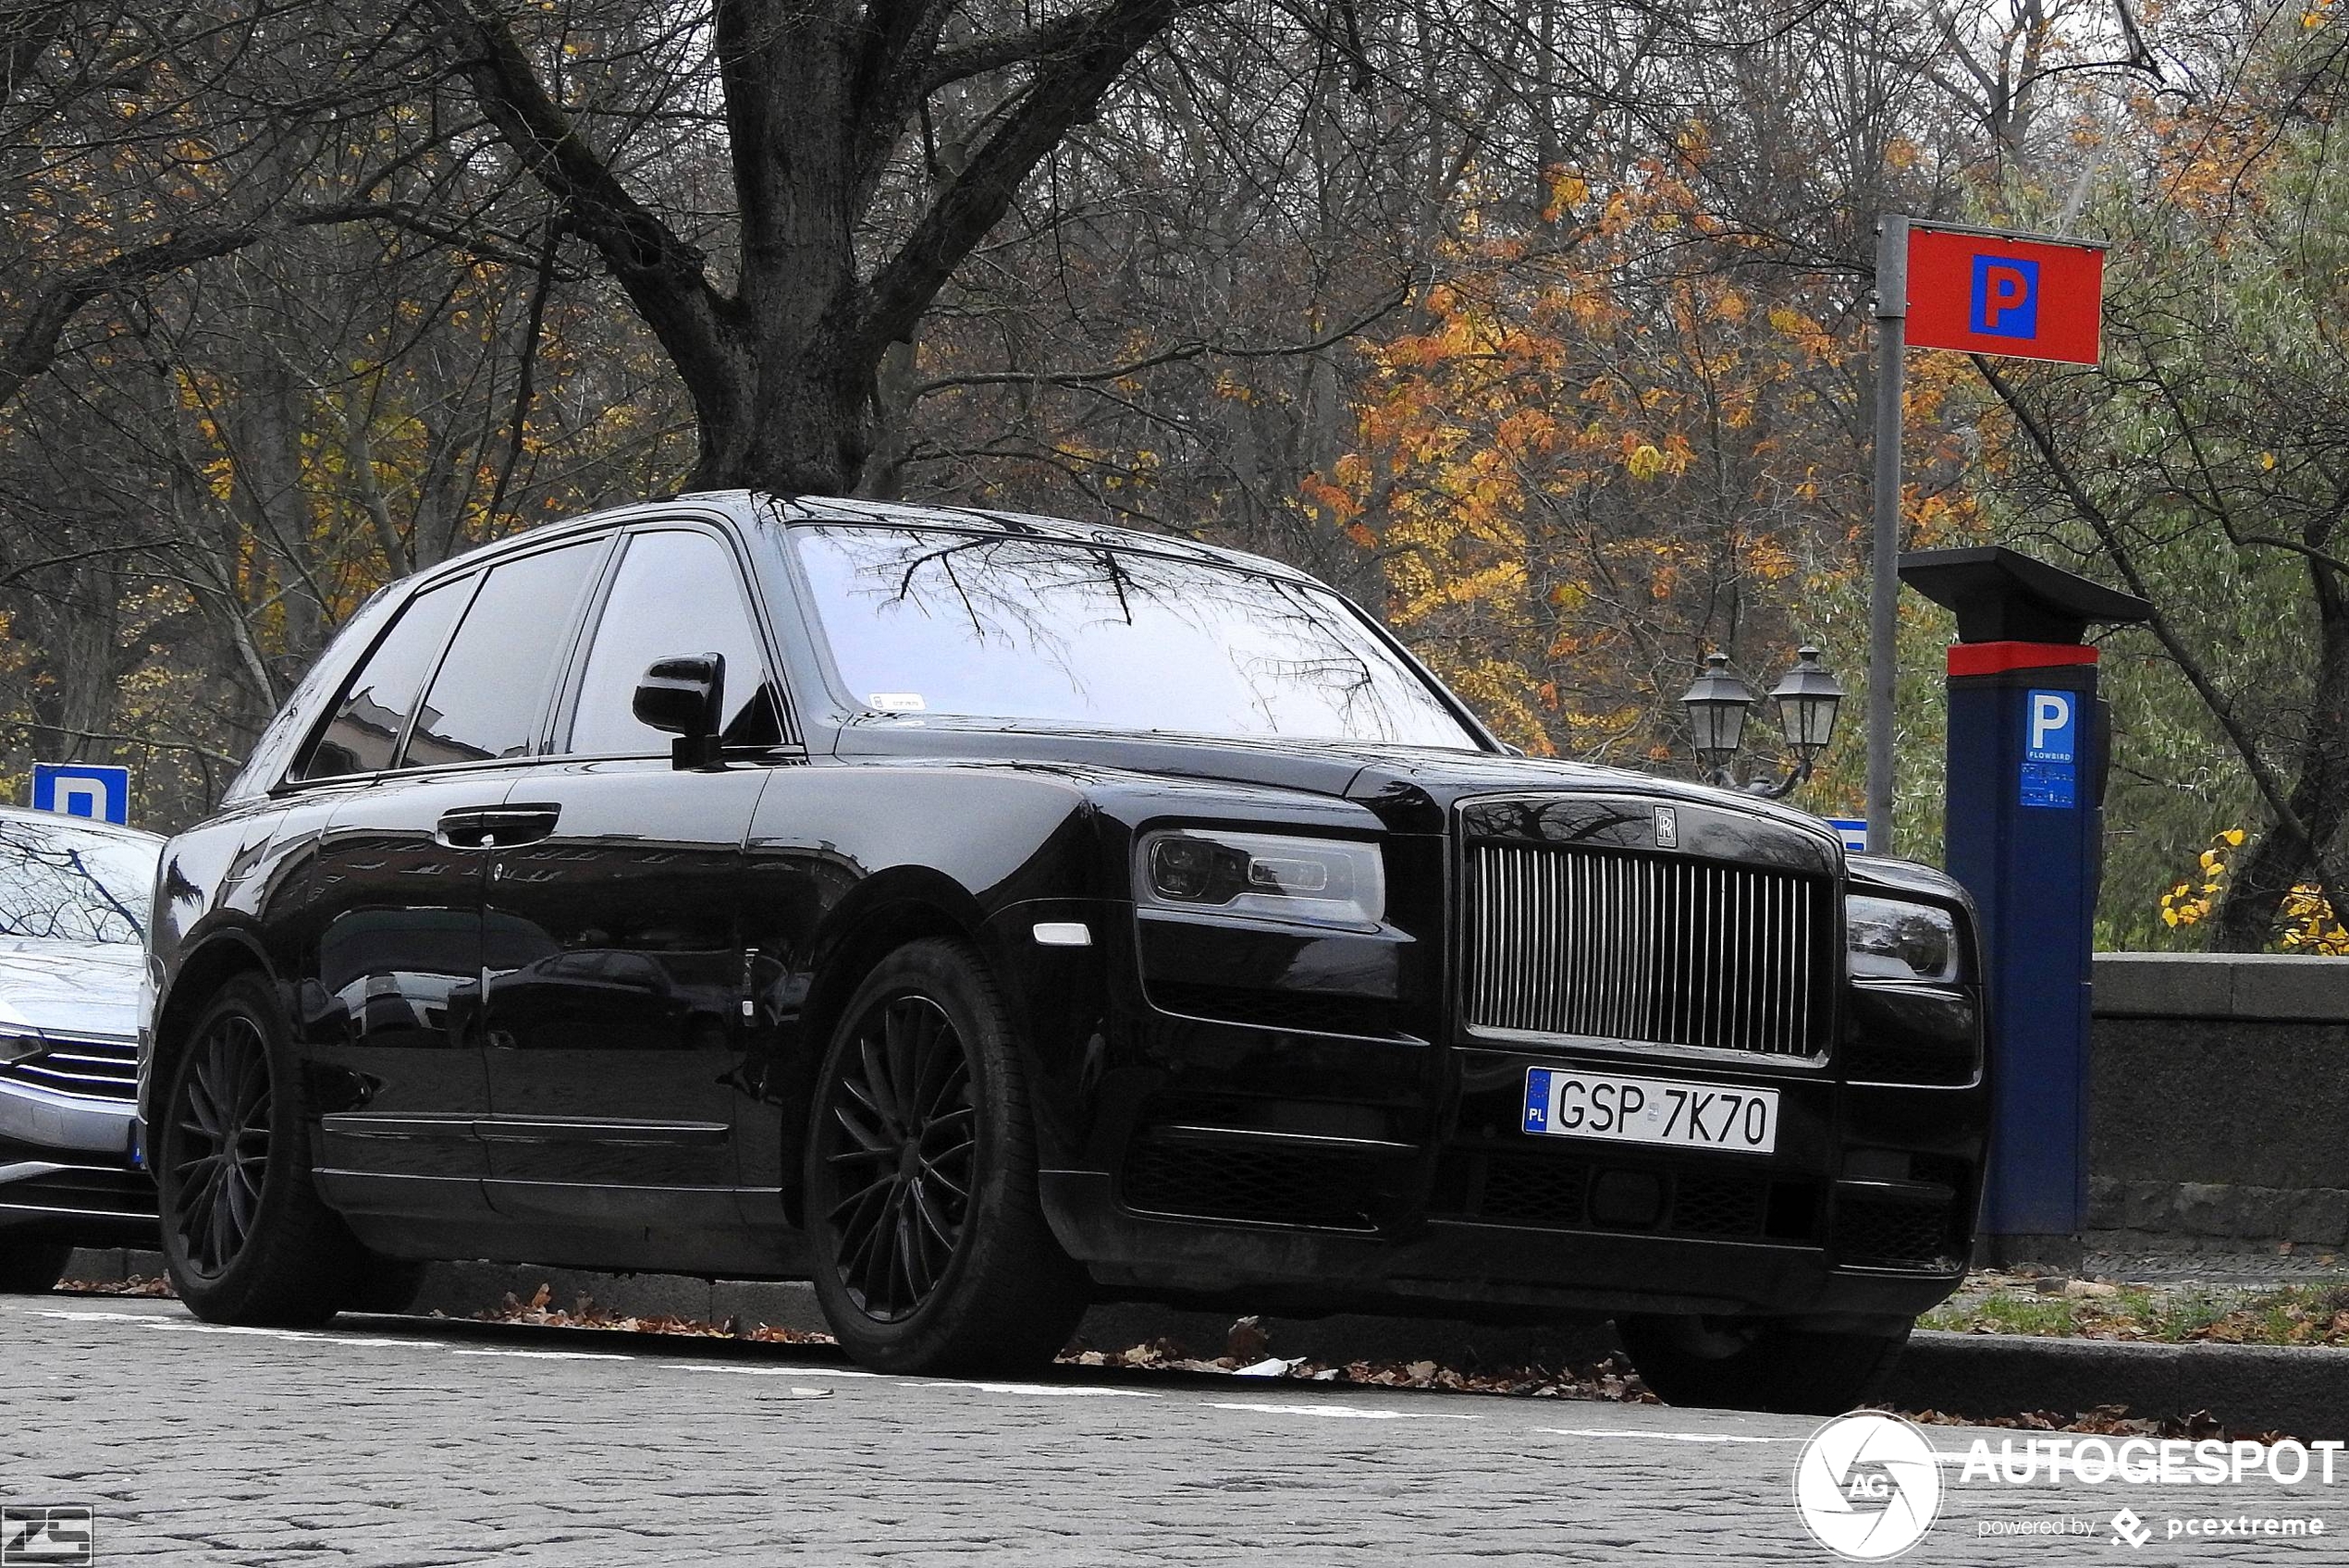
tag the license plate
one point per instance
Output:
(1568, 1103)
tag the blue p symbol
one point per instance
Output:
(2005, 298)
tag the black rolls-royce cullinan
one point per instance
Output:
(981, 914)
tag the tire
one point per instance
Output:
(1755, 1365)
(32, 1269)
(246, 1238)
(937, 1261)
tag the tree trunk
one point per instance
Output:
(783, 371)
(2279, 861)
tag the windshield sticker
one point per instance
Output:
(897, 702)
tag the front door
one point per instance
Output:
(392, 1020)
(613, 959)
(395, 1036)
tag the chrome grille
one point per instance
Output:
(1663, 948)
(97, 1066)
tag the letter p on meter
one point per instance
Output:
(2052, 727)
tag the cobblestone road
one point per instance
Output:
(394, 1441)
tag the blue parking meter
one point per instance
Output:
(2027, 751)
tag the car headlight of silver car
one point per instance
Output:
(1334, 882)
(1893, 940)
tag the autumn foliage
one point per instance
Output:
(1609, 444)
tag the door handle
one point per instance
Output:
(524, 824)
(467, 827)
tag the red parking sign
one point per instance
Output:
(1997, 294)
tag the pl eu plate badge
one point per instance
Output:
(2050, 750)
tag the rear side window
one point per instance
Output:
(486, 700)
(676, 593)
(366, 723)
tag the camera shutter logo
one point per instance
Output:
(1867, 1486)
(55, 1537)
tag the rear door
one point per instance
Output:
(392, 1014)
(615, 963)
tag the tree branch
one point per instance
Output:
(2263, 776)
(62, 296)
(662, 274)
(29, 568)
(1066, 87)
(1178, 354)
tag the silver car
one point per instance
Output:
(74, 899)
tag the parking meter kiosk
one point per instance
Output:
(2027, 754)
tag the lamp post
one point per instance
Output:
(1718, 703)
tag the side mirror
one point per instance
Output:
(685, 696)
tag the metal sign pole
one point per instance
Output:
(1884, 585)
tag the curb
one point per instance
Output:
(2300, 1391)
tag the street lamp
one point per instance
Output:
(1718, 703)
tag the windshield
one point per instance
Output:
(932, 622)
(70, 884)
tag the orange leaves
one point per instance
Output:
(1582, 452)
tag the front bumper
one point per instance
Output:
(1241, 1162)
(1456, 1268)
(68, 1169)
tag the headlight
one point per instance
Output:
(1322, 881)
(1892, 940)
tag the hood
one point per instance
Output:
(70, 988)
(1411, 788)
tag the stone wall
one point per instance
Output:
(2219, 1103)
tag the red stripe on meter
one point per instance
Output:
(1997, 659)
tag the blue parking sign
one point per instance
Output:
(91, 790)
(2050, 750)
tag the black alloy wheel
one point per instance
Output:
(901, 1133)
(931, 1248)
(220, 1152)
(246, 1237)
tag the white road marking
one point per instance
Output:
(178, 1326)
(1342, 1411)
(1077, 1389)
(1662, 1437)
(772, 1371)
(552, 1355)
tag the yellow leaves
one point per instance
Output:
(1900, 152)
(1644, 462)
(2267, 462)
(1568, 190)
(2306, 914)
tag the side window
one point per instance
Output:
(366, 723)
(676, 593)
(486, 700)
